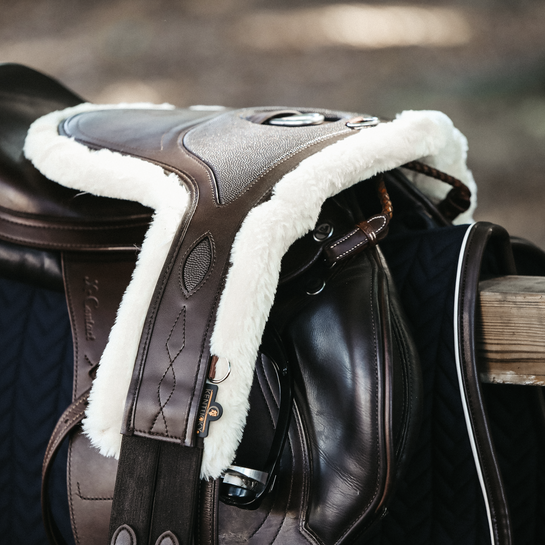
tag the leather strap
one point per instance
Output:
(369, 232)
(69, 420)
(147, 505)
(458, 199)
(482, 236)
(366, 234)
(94, 285)
(208, 525)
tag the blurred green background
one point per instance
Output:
(481, 61)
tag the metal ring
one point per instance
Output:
(219, 381)
(298, 120)
(319, 287)
(322, 232)
(361, 122)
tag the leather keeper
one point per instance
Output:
(365, 235)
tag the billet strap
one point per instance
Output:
(94, 283)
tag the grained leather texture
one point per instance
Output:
(197, 264)
(246, 150)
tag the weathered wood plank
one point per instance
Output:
(510, 332)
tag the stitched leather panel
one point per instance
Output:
(94, 285)
(341, 337)
(246, 150)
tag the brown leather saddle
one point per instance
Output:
(265, 302)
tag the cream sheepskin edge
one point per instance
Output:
(110, 174)
(264, 237)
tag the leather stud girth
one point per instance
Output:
(159, 466)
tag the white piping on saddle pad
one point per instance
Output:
(264, 237)
(458, 359)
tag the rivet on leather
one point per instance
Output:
(124, 535)
(167, 538)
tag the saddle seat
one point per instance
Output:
(37, 212)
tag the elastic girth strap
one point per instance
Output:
(148, 509)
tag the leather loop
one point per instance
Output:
(69, 420)
(366, 235)
(368, 232)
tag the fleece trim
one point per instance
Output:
(264, 237)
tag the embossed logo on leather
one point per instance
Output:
(90, 303)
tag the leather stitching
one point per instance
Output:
(71, 498)
(170, 367)
(204, 337)
(153, 312)
(349, 251)
(346, 237)
(90, 498)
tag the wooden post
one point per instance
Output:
(510, 333)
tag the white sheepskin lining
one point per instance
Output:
(264, 237)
